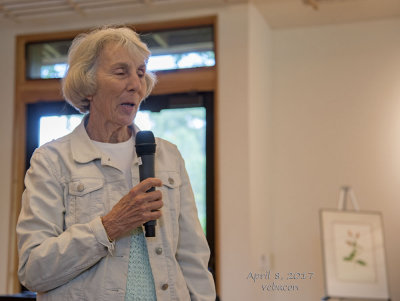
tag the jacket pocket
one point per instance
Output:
(170, 179)
(85, 200)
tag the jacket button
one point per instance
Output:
(164, 287)
(81, 187)
(171, 181)
(159, 251)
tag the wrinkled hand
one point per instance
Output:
(134, 209)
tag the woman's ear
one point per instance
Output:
(89, 98)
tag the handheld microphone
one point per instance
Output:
(145, 150)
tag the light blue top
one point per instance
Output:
(140, 282)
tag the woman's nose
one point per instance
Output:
(134, 83)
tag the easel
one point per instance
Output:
(346, 191)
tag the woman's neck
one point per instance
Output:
(108, 133)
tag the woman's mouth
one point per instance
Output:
(128, 107)
(128, 104)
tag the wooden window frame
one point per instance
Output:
(34, 90)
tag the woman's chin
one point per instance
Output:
(126, 118)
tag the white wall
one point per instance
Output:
(259, 102)
(242, 123)
(232, 155)
(335, 121)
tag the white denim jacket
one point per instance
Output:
(64, 253)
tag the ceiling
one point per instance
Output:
(278, 13)
(43, 12)
(296, 13)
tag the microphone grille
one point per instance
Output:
(145, 143)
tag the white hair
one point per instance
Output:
(80, 80)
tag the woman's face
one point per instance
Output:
(121, 86)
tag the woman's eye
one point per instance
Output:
(120, 72)
(141, 73)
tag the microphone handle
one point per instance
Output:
(146, 170)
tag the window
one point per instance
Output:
(47, 59)
(171, 50)
(180, 49)
(38, 89)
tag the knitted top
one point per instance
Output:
(140, 282)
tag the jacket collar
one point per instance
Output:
(83, 149)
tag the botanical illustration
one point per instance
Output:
(354, 252)
(356, 249)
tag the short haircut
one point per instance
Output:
(80, 80)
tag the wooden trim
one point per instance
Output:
(178, 81)
(181, 23)
(181, 81)
(216, 162)
(30, 91)
(18, 173)
(143, 27)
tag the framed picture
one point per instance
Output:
(354, 254)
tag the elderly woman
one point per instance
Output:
(80, 231)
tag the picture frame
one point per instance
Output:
(354, 254)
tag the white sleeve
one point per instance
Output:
(48, 255)
(193, 252)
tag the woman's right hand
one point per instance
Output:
(134, 209)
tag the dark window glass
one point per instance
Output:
(171, 50)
